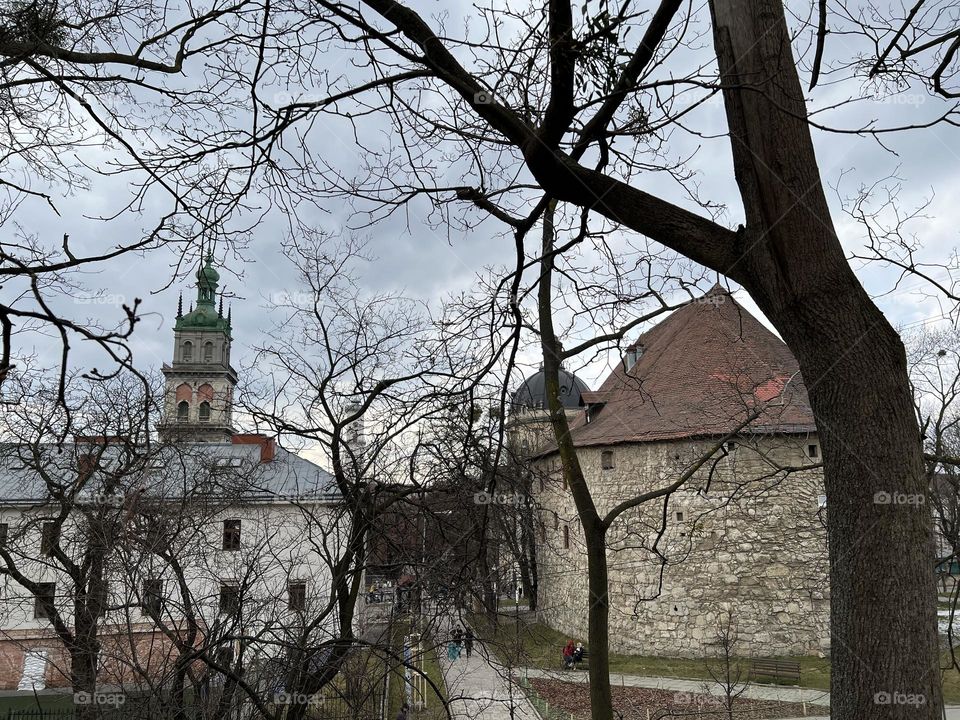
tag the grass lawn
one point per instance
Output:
(431, 667)
(59, 701)
(537, 645)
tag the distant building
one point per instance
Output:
(220, 530)
(743, 538)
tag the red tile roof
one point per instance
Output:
(701, 372)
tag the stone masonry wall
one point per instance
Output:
(751, 545)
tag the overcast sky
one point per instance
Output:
(422, 262)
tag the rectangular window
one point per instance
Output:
(813, 451)
(679, 516)
(229, 598)
(4, 532)
(606, 459)
(231, 534)
(566, 537)
(152, 597)
(49, 534)
(731, 446)
(43, 600)
(297, 595)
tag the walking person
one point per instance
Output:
(468, 642)
(457, 641)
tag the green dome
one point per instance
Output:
(205, 316)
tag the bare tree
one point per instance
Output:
(546, 105)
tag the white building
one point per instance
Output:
(209, 544)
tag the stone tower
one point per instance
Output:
(198, 397)
(529, 428)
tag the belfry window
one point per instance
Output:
(204, 412)
(208, 352)
(183, 411)
(188, 351)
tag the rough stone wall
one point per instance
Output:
(751, 545)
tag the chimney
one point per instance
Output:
(268, 446)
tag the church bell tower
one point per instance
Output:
(199, 384)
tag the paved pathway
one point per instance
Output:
(756, 692)
(478, 688)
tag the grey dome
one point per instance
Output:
(532, 394)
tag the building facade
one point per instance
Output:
(174, 550)
(709, 395)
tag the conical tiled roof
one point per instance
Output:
(700, 372)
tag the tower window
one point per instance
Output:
(204, 411)
(183, 411)
(188, 351)
(813, 451)
(208, 352)
(606, 459)
(566, 537)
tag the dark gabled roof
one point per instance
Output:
(700, 372)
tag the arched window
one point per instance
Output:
(183, 411)
(188, 351)
(204, 412)
(208, 352)
(223, 354)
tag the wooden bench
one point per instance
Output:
(576, 664)
(776, 669)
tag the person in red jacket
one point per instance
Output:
(568, 651)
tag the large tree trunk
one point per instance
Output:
(883, 604)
